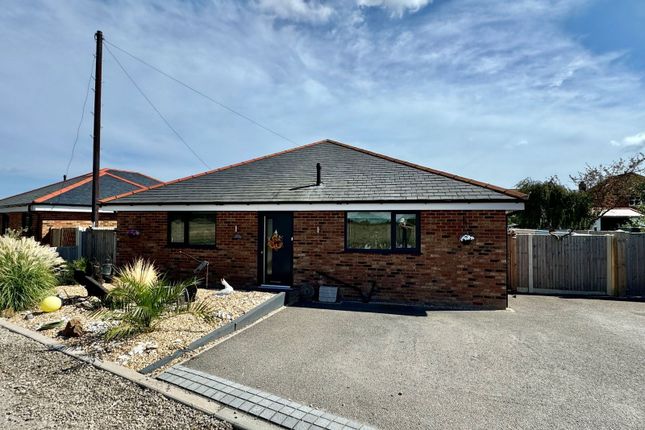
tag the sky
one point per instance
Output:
(488, 89)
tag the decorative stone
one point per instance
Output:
(74, 328)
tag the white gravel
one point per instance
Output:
(41, 389)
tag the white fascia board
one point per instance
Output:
(291, 207)
(13, 209)
(83, 209)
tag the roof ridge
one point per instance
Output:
(88, 178)
(137, 173)
(44, 186)
(208, 172)
(109, 173)
(507, 191)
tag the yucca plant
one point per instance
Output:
(141, 299)
(28, 272)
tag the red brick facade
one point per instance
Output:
(234, 259)
(446, 273)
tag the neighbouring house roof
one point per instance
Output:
(349, 174)
(622, 213)
(78, 191)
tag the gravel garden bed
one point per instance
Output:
(140, 350)
(42, 389)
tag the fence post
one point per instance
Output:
(611, 265)
(530, 246)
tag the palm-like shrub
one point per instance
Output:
(141, 299)
(27, 272)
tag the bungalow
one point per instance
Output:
(67, 203)
(329, 214)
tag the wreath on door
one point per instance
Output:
(275, 241)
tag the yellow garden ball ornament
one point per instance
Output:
(50, 304)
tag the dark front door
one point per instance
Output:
(276, 248)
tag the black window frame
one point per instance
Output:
(4, 223)
(393, 249)
(185, 218)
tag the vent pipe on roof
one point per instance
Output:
(64, 178)
(318, 168)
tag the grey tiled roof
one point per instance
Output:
(348, 175)
(78, 190)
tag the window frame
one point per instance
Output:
(185, 218)
(393, 249)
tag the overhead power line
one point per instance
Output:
(80, 122)
(78, 129)
(206, 96)
(152, 105)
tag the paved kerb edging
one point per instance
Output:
(260, 311)
(273, 408)
(237, 419)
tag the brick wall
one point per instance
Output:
(236, 260)
(42, 222)
(445, 274)
(15, 220)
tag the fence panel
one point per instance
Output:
(99, 245)
(608, 263)
(576, 264)
(635, 264)
(68, 253)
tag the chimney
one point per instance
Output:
(318, 168)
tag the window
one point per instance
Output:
(191, 229)
(382, 231)
(406, 230)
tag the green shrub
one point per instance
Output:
(141, 299)
(27, 272)
(66, 275)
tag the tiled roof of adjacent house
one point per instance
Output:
(349, 174)
(78, 191)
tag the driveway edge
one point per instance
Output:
(253, 315)
(238, 419)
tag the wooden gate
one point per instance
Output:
(611, 263)
(573, 264)
(99, 245)
(92, 244)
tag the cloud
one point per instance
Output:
(452, 89)
(396, 7)
(296, 10)
(636, 140)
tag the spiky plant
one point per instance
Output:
(142, 299)
(28, 272)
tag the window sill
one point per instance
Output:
(384, 251)
(189, 246)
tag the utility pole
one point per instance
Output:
(96, 162)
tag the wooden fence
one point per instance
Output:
(91, 244)
(590, 263)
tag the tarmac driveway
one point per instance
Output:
(549, 363)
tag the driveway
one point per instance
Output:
(548, 363)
